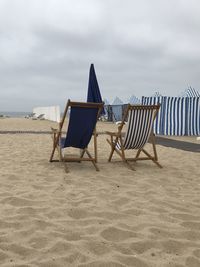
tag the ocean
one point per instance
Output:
(14, 114)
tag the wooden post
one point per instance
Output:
(95, 145)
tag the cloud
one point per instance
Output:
(46, 48)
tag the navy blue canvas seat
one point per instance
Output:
(81, 126)
(82, 122)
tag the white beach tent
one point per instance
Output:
(106, 102)
(117, 101)
(117, 109)
(51, 113)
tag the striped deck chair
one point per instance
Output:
(139, 132)
(82, 122)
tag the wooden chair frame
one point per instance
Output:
(116, 137)
(57, 134)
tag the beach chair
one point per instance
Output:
(39, 117)
(138, 133)
(82, 125)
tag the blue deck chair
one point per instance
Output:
(82, 121)
(139, 132)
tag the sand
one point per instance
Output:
(115, 217)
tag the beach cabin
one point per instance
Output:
(133, 100)
(178, 115)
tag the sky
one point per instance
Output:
(137, 48)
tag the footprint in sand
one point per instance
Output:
(18, 202)
(3, 256)
(192, 262)
(173, 247)
(142, 246)
(102, 264)
(98, 248)
(116, 234)
(197, 253)
(77, 214)
(185, 216)
(38, 242)
(131, 261)
(73, 236)
(191, 225)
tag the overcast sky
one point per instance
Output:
(137, 47)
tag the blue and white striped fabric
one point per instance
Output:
(140, 122)
(177, 115)
(193, 93)
(157, 126)
(193, 118)
(174, 115)
(190, 92)
(134, 100)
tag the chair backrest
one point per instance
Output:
(139, 126)
(82, 122)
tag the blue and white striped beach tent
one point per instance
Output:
(134, 100)
(174, 115)
(177, 115)
(157, 128)
(193, 116)
(190, 92)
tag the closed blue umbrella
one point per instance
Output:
(94, 94)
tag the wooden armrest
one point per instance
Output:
(118, 122)
(112, 133)
(54, 130)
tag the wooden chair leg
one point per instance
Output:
(82, 152)
(124, 158)
(138, 154)
(122, 149)
(152, 158)
(112, 149)
(55, 144)
(95, 145)
(154, 147)
(52, 153)
(93, 160)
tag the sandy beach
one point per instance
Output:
(113, 218)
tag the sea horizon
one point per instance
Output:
(15, 114)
